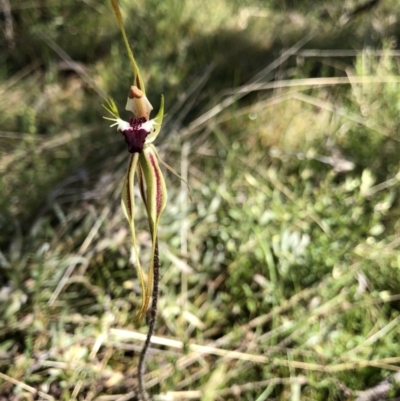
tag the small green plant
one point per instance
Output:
(139, 133)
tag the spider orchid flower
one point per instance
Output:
(139, 133)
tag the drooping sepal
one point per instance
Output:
(157, 123)
(154, 193)
(128, 206)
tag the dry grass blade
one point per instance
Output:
(131, 335)
(346, 53)
(62, 139)
(18, 76)
(83, 248)
(317, 82)
(194, 125)
(341, 111)
(234, 390)
(26, 387)
(73, 65)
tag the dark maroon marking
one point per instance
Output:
(136, 122)
(141, 184)
(135, 136)
(159, 193)
(135, 140)
(128, 195)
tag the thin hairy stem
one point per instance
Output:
(152, 324)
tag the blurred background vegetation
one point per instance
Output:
(280, 280)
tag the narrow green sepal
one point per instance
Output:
(128, 206)
(155, 199)
(157, 123)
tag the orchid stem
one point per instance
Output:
(152, 324)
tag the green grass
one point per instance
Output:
(279, 281)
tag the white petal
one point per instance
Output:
(121, 125)
(148, 126)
